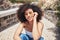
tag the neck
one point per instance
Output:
(30, 22)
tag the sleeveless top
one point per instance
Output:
(27, 32)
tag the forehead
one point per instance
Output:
(29, 10)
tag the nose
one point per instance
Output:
(28, 14)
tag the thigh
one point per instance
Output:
(24, 37)
(30, 38)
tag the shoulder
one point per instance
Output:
(40, 24)
(21, 24)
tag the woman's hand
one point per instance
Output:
(35, 14)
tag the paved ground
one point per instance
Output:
(48, 31)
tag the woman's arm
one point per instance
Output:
(35, 32)
(18, 32)
(37, 29)
(40, 28)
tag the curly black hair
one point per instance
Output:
(23, 8)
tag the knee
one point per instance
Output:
(24, 37)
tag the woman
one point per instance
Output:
(29, 15)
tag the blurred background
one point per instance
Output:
(9, 21)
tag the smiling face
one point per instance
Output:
(29, 14)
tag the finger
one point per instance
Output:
(35, 13)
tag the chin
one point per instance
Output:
(29, 20)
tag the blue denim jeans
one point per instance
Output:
(26, 37)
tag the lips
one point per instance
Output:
(29, 18)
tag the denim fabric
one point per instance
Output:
(26, 37)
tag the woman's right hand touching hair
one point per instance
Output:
(35, 14)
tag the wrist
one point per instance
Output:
(35, 18)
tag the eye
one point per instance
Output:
(30, 12)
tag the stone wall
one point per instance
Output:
(8, 21)
(51, 16)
